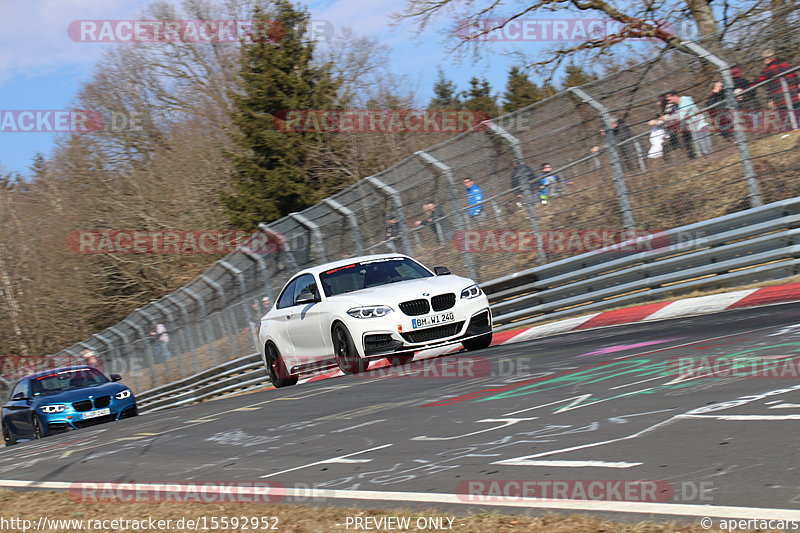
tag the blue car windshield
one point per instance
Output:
(371, 273)
(66, 380)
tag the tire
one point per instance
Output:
(38, 433)
(276, 368)
(400, 359)
(345, 351)
(478, 343)
(7, 438)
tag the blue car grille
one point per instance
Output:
(87, 405)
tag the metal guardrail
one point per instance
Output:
(744, 247)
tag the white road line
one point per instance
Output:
(331, 460)
(635, 383)
(745, 417)
(567, 464)
(506, 422)
(359, 426)
(675, 509)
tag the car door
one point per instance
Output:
(306, 323)
(17, 412)
(275, 323)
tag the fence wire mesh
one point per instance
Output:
(599, 141)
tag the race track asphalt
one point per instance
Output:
(626, 403)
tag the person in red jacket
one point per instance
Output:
(773, 68)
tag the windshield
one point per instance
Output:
(67, 379)
(366, 274)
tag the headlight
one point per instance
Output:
(370, 311)
(121, 395)
(473, 291)
(53, 408)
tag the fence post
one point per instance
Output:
(186, 329)
(261, 265)
(527, 194)
(230, 310)
(148, 348)
(390, 192)
(351, 219)
(616, 163)
(172, 333)
(105, 357)
(127, 343)
(205, 337)
(221, 295)
(281, 245)
(459, 219)
(787, 97)
(318, 245)
(739, 137)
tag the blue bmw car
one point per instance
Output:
(66, 398)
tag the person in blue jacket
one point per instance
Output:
(474, 198)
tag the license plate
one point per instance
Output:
(95, 414)
(433, 320)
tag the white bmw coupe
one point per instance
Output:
(348, 312)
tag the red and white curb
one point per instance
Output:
(641, 313)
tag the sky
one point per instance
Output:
(42, 68)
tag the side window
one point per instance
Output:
(306, 283)
(22, 386)
(286, 299)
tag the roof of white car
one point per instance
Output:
(344, 262)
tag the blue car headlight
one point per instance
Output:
(473, 291)
(121, 395)
(55, 408)
(370, 311)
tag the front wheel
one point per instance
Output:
(37, 428)
(478, 343)
(345, 351)
(276, 369)
(7, 438)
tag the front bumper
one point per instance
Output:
(382, 343)
(70, 418)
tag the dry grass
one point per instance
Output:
(317, 519)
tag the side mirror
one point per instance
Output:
(305, 298)
(19, 397)
(441, 271)
(115, 377)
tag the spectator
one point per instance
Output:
(773, 68)
(621, 132)
(691, 124)
(519, 176)
(433, 218)
(392, 227)
(748, 101)
(549, 184)
(160, 339)
(721, 115)
(91, 359)
(474, 198)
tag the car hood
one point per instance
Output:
(394, 293)
(106, 389)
